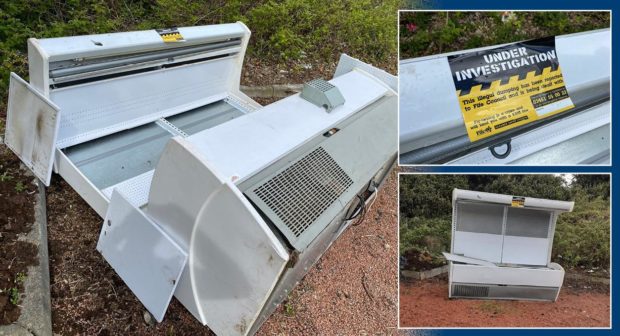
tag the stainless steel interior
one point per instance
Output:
(112, 159)
(204, 117)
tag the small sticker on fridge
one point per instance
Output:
(170, 35)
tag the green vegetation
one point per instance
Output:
(289, 310)
(13, 295)
(582, 237)
(5, 177)
(13, 292)
(19, 186)
(289, 30)
(20, 278)
(428, 33)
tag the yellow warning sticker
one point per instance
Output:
(170, 35)
(509, 86)
(518, 201)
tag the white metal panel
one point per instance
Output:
(32, 123)
(348, 64)
(64, 48)
(99, 108)
(592, 147)
(519, 276)
(478, 245)
(480, 196)
(526, 250)
(557, 132)
(182, 182)
(147, 260)
(135, 189)
(584, 58)
(38, 67)
(246, 144)
(91, 194)
(231, 248)
(236, 253)
(423, 120)
(462, 259)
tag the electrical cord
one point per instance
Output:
(362, 213)
(363, 209)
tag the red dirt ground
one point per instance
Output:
(426, 304)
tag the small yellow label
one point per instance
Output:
(519, 101)
(170, 35)
(174, 37)
(518, 202)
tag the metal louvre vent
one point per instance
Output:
(321, 85)
(470, 291)
(302, 192)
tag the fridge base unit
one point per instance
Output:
(510, 282)
(503, 292)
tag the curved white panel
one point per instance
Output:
(237, 255)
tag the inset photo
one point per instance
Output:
(504, 251)
(511, 87)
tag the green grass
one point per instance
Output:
(440, 32)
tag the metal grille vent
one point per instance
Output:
(321, 85)
(470, 291)
(302, 192)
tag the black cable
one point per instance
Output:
(362, 206)
(363, 213)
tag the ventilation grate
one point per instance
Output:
(321, 85)
(302, 192)
(470, 291)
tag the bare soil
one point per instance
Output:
(257, 72)
(425, 303)
(17, 197)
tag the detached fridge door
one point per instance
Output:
(32, 123)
